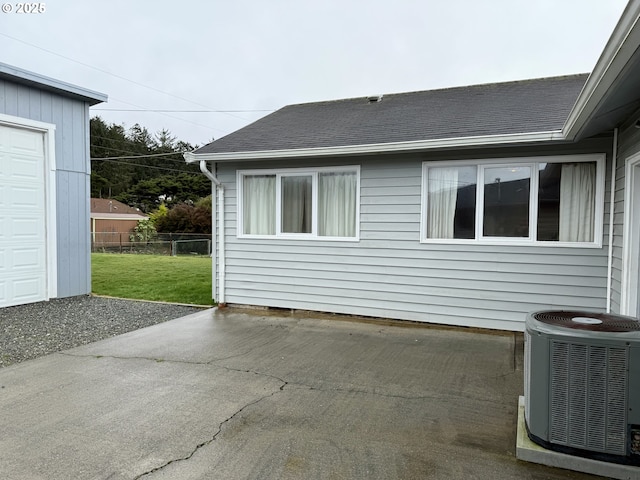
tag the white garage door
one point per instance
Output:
(23, 265)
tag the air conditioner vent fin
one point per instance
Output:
(597, 401)
(588, 385)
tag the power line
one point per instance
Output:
(146, 166)
(173, 116)
(136, 156)
(129, 157)
(134, 82)
(93, 109)
(113, 149)
(112, 74)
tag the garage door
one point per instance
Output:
(23, 265)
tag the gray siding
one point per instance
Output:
(71, 118)
(388, 273)
(628, 145)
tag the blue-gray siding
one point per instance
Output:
(389, 273)
(71, 118)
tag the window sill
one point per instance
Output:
(298, 238)
(510, 243)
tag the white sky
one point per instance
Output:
(253, 55)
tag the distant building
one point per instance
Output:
(110, 219)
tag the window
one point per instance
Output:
(300, 203)
(452, 202)
(541, 199)
(506, 201)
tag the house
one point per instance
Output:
(466, 206)
(44, 187)
(111, 219)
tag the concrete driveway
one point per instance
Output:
(245, 395)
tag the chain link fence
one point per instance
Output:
(159, 244)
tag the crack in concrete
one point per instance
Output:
(268, 375)
(286, 383)
(215, 435)
(150, 359)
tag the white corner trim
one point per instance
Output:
(612, 61)
(377, 148)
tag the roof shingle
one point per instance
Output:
(528, 106)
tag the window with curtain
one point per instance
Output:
(301, 203)
(451, 202)
(259, 204)
(337, 204)
(296, 204)
(566, 201)
(540, 199)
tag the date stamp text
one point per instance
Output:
(23, 8)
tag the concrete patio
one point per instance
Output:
(235, 394)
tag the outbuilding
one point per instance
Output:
(44, 187)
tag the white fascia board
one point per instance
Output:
(18, 75)
(616, 54)
(376, 148)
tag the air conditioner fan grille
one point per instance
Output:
(607, 322)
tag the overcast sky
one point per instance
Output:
(250, 57)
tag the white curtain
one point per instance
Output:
(337, 197)
(259, 205)
(296, 204)
(443, 193)
(577, 202)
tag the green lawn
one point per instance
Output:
(182, 279)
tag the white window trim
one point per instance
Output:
(482, 164)
(302, 171)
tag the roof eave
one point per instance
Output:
(379, 148)
(28, 78)
(619, 49)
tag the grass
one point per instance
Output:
(152, 277)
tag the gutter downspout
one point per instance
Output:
(614, 161)
(221, 249)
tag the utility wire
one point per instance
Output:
(137, 155)
(173, 116)
(112, 74)
(93, 109)
(146, 166)
(128, 157)
(134, 82)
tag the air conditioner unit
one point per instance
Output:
(582, 384)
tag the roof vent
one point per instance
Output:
(374, 98)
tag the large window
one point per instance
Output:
(541, 199)
(300, 203)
